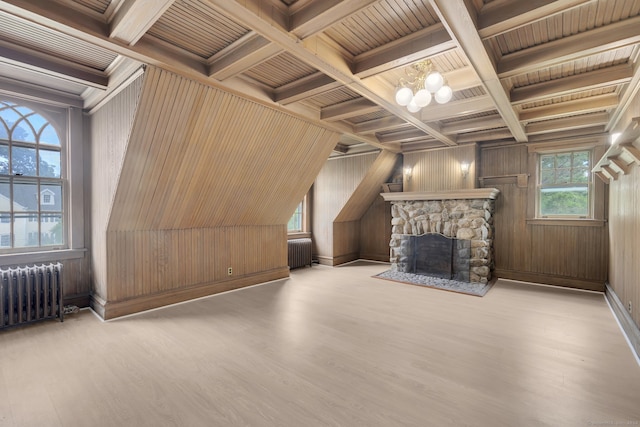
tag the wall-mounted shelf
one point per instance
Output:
(620, 158)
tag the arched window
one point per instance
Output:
(31, 180)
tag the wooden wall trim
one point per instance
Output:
(629, 327)
(549, 279)
(111, 310)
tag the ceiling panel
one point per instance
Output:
(99, 6)
(333, 97)
(197, 28)
(574, 21)
(280, 70)
(38, 38)
(382, 23)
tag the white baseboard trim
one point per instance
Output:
(628, 327)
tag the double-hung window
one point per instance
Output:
(31, 180)
(565, 184)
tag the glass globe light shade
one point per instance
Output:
(434, 82)
(404, 96)
(422, 98)
(413, 107)
(443, 95)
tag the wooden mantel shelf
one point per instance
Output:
(475, 193)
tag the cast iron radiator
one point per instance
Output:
(299, 252)
(30, 293)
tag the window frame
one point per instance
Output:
(597, 143)
(540, 186)
(66, 116)
(305, 220)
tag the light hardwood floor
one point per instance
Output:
(330, 347)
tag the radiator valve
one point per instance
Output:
(71, 309)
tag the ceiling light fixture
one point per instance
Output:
(421, 85)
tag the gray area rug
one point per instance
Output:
(476, 289)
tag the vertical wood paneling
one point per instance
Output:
(346, 241)
(221, 159)
(148, 262)
(332, 189)
(624, 235)
(565, 255)
(375, 231)
(439, 170)
(110, 129)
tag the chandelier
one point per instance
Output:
(422, 84)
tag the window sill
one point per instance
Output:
(41, 256)
(301, 235)
(567, 222)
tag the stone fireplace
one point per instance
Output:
(443, 234)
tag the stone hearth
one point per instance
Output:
(461, 215)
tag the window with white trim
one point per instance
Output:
(565, 184)
(31, 180)
(296, 222)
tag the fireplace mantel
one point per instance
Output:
(474, 193)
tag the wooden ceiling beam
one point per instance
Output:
(461, 25)
(132, 20)
(461, 108)
(317, 53)
(377, 125)
(427, 42)
(319, 15)
(475, 124)
(306, 87)
(485, 135)
(55, 67)
(501, 16)
(603, 77)
(599, 40)
(570, 108)
(347, 109)
(567, 123)
(245, 53)
(403, 136)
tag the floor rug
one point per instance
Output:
(475, 289)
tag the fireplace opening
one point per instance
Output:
(439, 256)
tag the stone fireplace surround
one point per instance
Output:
(460, 214)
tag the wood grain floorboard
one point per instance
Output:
(330, 347)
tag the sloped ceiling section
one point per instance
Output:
(190, 142)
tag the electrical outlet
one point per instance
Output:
(229, 271)
(630, 307)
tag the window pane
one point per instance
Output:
(51, 230)
(547, 161)
(580, 175)
(26, 232)
(25, 197)
(4, 159)
(49, 163)
(295, 223)
(4, 133)
(5, 230)
(49, 136)
(563, 160)
(5, 196)
(581, 159)
(564, 201)
(23, 161)
(51, 197)
(563, 176)
(23, 132)
(548, 176)
(5, 240)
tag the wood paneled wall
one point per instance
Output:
(439, 170)
(110, 127)
(207, 182)
(201, 157)
(375, 231)
(565, 255)
(624, 235)
(344, 190)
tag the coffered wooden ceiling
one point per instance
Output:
(521, 70)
